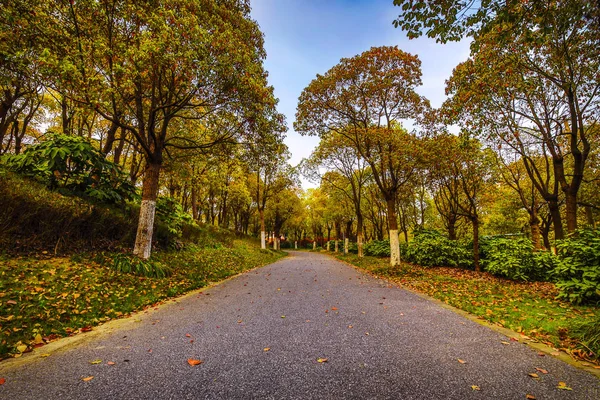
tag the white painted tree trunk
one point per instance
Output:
(328, 246)
(394, 248)
(359, 244)
(346, 243)
(336, 246)
(263, 240)
(314, 245)
(296, 245)
(143, 238)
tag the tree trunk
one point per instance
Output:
(194, 203)
(589, 216)
(263, 244)
(571, 215)
(475, 222)
(534, 225)
(393, 226)
(359, 234)
(143, 239)
(556, 220)
(346, 243)
(452, 228)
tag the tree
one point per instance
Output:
(532, 82)
(347, 174)
(464, 176)
(144, 65)
(362, 99)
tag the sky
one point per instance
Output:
(304, 38)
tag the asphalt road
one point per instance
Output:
(379, 341)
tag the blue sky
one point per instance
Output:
(308, 37)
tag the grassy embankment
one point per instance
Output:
(527, 308)
(44, 296)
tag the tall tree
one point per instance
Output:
(363, 98)
(144, 65)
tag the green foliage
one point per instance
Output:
(588, 333)
(377, 248)
(129, 264)
(72, 165)
(514, 259)
(172, 215)
(430, 248)
(579, 271)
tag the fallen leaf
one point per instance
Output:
(555, 353)
(266, 349)
(534, 375)
(21, 348)
(505, 343)
(462, 361)
(563, 386)
(193, 362)
(349, 326)
(2, 381)
(541, 354)
(45, 355)
(96, 361)
(512, 339)
(333, 308)
(475, 387)
(86, 329)
(542, 370)
(188, 335)
(38, 339)
(597, 367)
(11, 302)
(322, 360)
(111, 363)
(530, 397)
(87, 378)
(283, 316)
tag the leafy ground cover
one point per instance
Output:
(528, 308)
(44, 298)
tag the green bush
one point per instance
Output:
(430, 248)
(71, 165)
(129, 264)
(578, 273)
(588, 334)
(377, 248)
(172, 215)
(514, 259)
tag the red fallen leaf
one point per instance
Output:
(542, 370)
(188, 335)
(334, 308)
(86, 329)
(194, 362)
(512, 339)
(192, 341)
(111, 363)
(462, 361)
(322, 360)
(2, 381)
(530, 397)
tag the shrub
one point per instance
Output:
(71, 165)
(588, 334)
(578, 273)
(514, 259)
(172, 215)
(430, 248)
(132, 265)
(377, 248)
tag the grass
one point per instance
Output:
(528, 308)
(44, 298)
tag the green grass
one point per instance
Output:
(44, 298)
(528, 308)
